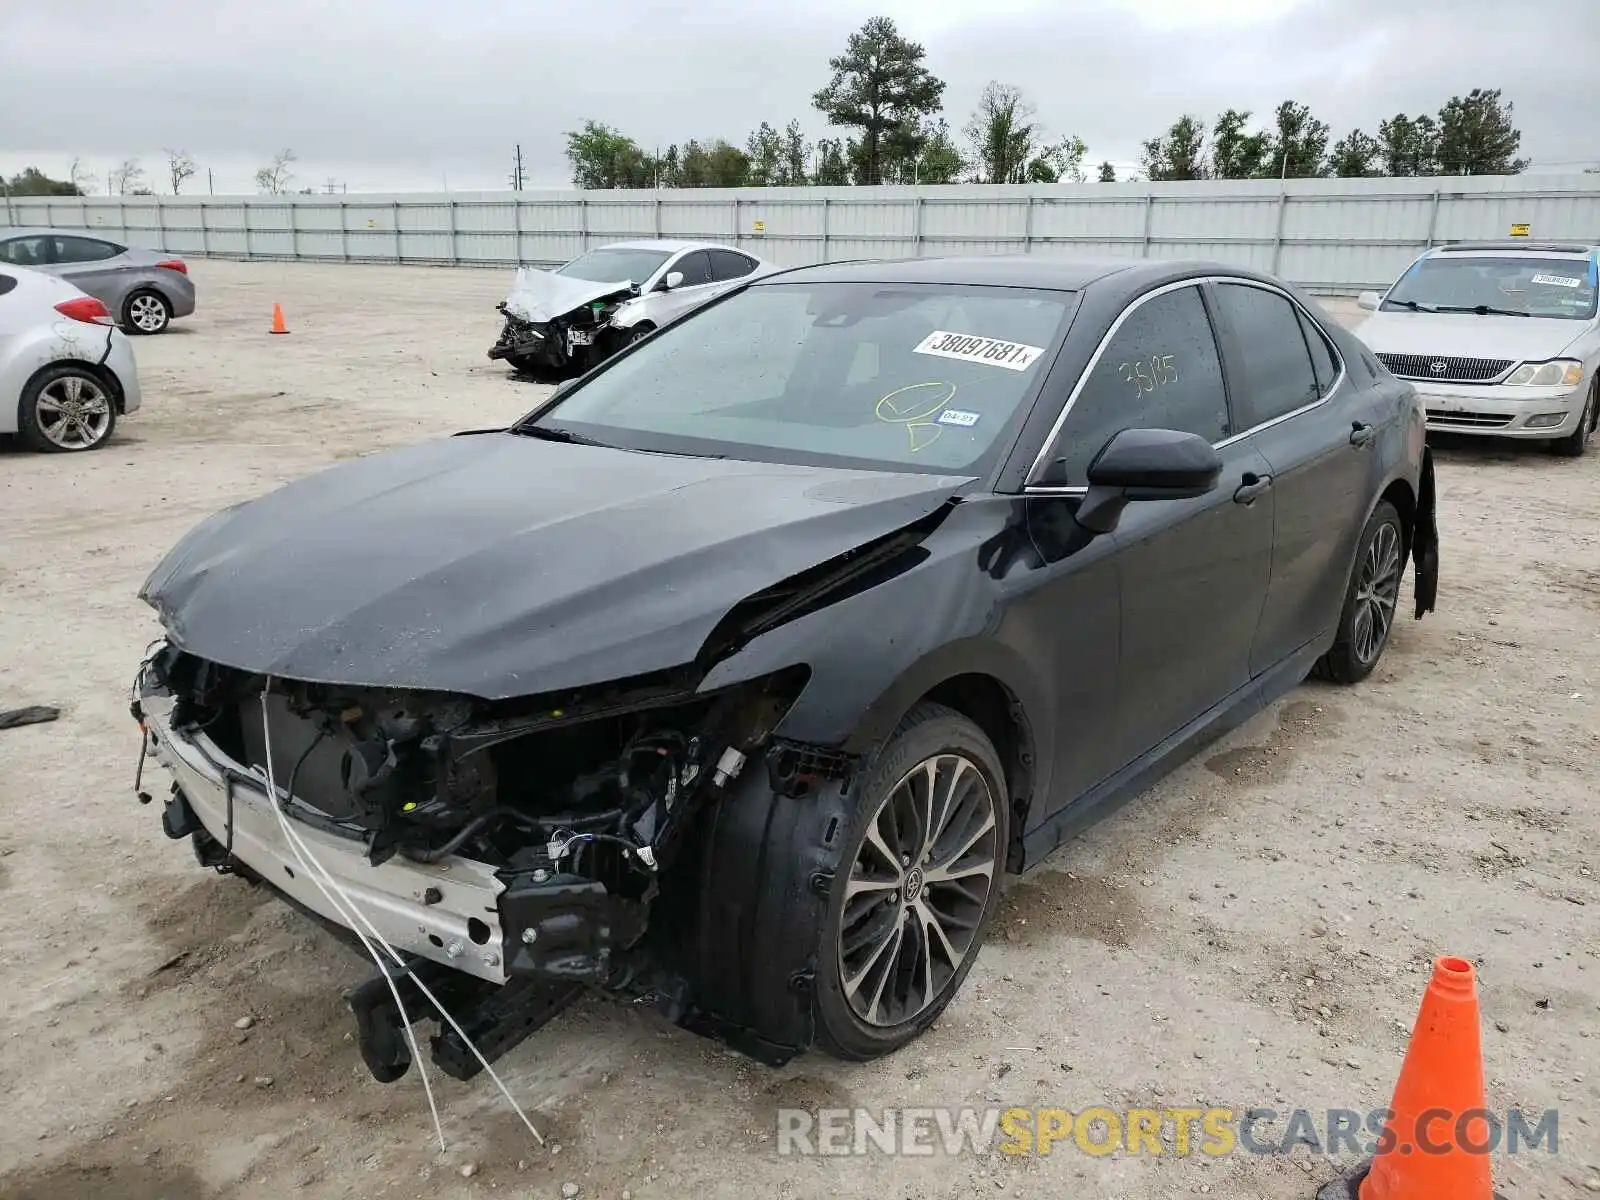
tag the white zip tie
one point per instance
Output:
(427, 992)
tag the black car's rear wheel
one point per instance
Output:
(916, 887)
(1371, 599)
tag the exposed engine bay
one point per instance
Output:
(557, 327)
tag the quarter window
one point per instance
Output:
(1159, 370)
(1322, 360)
(1278, 374)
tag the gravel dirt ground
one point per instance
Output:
(1254, 931)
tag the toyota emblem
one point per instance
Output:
(1439, 368)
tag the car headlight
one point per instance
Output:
(1547, 374)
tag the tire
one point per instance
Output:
(1371, 600)
(66, 408)
(1576, 443)
(146, 311)
(638, 333)
(877, 912)
(532, 369)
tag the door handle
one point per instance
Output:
(1361, 433)
(1252, 487)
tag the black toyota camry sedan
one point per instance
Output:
(735, 675)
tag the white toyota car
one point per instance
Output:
(1499, 338)
(66, 371)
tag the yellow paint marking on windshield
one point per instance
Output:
(910, 406)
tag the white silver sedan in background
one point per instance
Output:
(66, 371)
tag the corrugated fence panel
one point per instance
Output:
(1327, 234)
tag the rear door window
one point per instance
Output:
(84, 250)
(1161, 369)
(730, 264)
(1278, 373)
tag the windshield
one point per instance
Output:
(615, 265)
(910, 377)
(1522, 285)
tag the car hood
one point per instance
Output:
(498, 565)
(539, 296)
(1467, 335)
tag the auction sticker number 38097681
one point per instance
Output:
(993, 352)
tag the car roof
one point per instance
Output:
(8, 231)
(1125, 276)
(666, 244)
(1516, 245)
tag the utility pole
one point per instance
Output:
(516, 170)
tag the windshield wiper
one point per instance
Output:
(1483, 310)
(554, 433)
(1414, 306)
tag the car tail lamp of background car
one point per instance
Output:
(1561, 371)
(86, 309)
(175, 264)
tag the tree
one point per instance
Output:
(939, 160)
(33, 182)
(125, 176)
(1355, 155)
(179, 168)
(1177, 154)
(1236, 154)
(82, 179)
(764, 149)
(1298, 144)
(603, 158)
(715, 164)
(778, 159)
(833, 164)
(274, 177)
(879, 87)
(1476, 136)
(1001, 132)
(1108, 173)
(1409, 147)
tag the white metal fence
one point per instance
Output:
(1330, 235)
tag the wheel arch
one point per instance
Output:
(104, 374)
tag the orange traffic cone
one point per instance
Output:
(1439, 1135)
(278, 325)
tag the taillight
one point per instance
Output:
(175, 264)
(86, 309)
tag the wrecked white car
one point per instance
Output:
(560, 323)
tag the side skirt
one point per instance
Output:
(1039, 842)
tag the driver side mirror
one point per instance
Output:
(1369, 301)
(673, 280)
(1146, 464)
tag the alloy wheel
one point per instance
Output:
(148, 313)
(74, 412)
(917, 890)
(1377, 592)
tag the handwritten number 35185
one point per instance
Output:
(1145, 376)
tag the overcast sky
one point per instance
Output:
(419, 94)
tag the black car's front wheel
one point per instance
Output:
(916, 887)
(1371, 599)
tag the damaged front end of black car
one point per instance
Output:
(513, 846)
